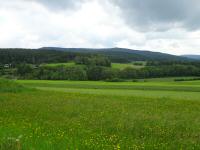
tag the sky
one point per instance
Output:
(168, 26)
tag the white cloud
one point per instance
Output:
(93, 24)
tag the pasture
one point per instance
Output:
(51, 115)
(69, 64)
(114, 65)
(125, 65)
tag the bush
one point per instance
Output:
(24, 69)
(61, 73)
(128, 73)
(134, 80)
(76, 73)
(110, 73)
(95, 73)
(94, 60)
(101, 73)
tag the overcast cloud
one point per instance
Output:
(171, 26)
(161, 14)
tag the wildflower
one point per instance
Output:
(118, 147)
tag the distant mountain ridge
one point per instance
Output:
(123, 54)
(196, 57)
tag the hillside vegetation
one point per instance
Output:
(60, 55)
(122, 54)
(197, 57)
(92, 64)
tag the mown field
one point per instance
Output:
(60, 115)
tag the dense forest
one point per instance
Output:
(28, 64)
(34, 56)
(123, 55)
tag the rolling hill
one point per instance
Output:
(196, 57)
(122, 54)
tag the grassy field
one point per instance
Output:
(114, 65)
(69, 64)
(123, 66)
(60, 115)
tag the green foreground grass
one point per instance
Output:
(101, 115)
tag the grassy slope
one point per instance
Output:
(114, 65)
(152, 85)
(83, 115)
(11, 86)
(60, 64)
(123, 66)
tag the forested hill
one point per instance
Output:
(197, 57)
(123, 55)
(56, 55)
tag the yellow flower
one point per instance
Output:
(118, 147)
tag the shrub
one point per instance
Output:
(128, 73)
(95, 73)
(24, 69)
(110, 73)
(61, 73)
(134, 80)
(94, 60)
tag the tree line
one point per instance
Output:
(37, 56)
(26, 64)
(95, 72)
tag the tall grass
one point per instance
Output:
(91, 118)
(11, 86)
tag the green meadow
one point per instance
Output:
(114, 65)
(84, 115)
(125, 65)
(69, 64)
